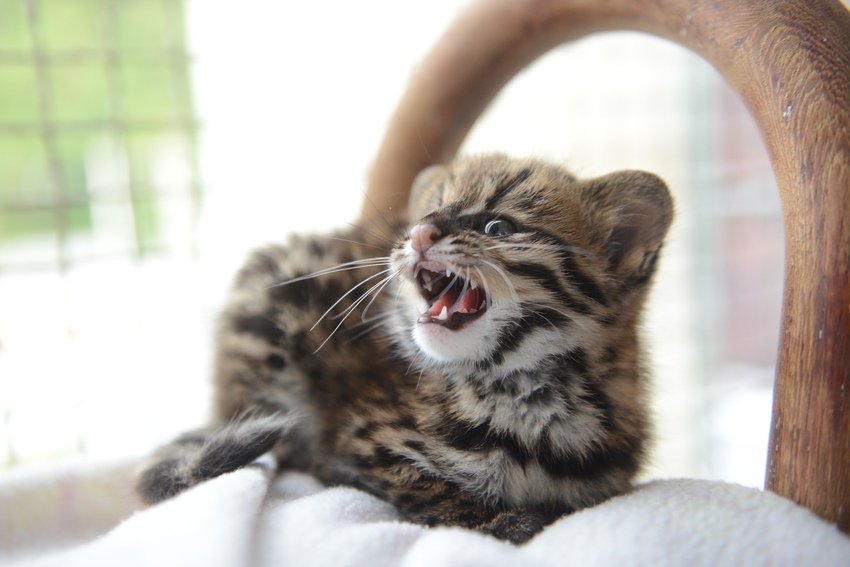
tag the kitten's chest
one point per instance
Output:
(522, 408)
(490, 438)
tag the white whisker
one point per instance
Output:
(350, 309)
(551, 324)
(376, 321)
(378, 317)
(395, 226)
(445, 290)
(485, 285)
(462, 291)
(398, 294)
(386, 281)
(504, 277)
(362, 297)
(346, 294)
(382, 236)
(353, 265)
(355, 242)
(571, 317)
(538, 246)
(417, 357)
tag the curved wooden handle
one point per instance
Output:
(790, 62)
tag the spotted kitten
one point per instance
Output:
(482, 371)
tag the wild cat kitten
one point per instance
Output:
(482, 371)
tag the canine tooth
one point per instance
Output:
(427, 281)
(473, 284)
(444, 314)
(448, 271)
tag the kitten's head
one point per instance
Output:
(511, 260)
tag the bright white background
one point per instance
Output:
(293, 99)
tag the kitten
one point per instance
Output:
(482, 371)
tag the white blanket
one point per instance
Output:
(85, 515)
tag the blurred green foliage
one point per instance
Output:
(75, 76)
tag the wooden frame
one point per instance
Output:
(790, 62)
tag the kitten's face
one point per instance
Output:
(513, 260)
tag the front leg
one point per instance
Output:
(432, 501)
(518, 525)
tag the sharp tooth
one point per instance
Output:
(480, 307)
(448, 271)
(467, 310)
(444, 314)
(473, 284)
(426, 281)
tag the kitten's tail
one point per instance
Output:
(198, 456)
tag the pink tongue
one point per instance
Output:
(449, 298)
(470, 301)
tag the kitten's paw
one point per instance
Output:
(194, 458)
(517, 526)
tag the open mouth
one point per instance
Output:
(452, 300)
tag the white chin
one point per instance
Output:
(445, 345)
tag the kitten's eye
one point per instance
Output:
(499, 228)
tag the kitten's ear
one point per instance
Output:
(426, 190)
(636, 212)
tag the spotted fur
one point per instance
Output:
(485, 369)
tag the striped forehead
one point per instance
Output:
(485, 195)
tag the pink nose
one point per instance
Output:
(423, 236)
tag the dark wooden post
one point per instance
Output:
(790, 62)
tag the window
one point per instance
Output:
(98, 184)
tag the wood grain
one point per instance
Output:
(790, 62)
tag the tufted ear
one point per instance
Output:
(425, 194)
(633, 216)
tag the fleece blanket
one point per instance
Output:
(85, 515)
